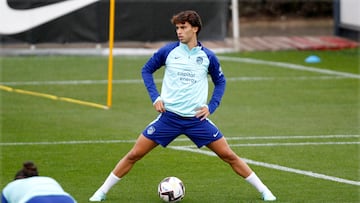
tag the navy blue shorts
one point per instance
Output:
(51, 199)
(168, 126)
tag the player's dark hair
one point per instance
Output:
(29, 170)
(190, 16)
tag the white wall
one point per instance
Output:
(350, 12)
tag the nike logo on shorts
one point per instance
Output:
(216, 134)
(13, 21)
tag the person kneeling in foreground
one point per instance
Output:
(182, 104)
(29, 187)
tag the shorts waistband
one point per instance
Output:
(172, 114)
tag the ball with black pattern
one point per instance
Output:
(171, 189)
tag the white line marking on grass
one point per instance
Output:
(286, 144)
(139, 81)
(192, 148)
(72, 82)
(235, 79)
(292, 137)
(290, 66)
(275, 166)
(338, 74)
(67, 142)
(177, 140)
(294, 144)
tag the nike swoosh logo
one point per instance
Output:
(216, 134)
(13, 21)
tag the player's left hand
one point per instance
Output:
(202, 113)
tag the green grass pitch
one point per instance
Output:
(297, 125)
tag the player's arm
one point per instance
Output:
(153, 64)
(219, 81)
(147, 75)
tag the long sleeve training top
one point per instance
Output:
(185, 83)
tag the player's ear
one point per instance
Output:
(195, 29)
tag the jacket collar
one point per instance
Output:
(193, 50)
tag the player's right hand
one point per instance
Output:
(159, 106)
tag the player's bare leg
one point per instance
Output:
(222, 149)
(142, 146)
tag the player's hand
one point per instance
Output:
(202, 113)
(159, 106)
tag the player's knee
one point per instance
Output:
(229, 157)
(134, 156)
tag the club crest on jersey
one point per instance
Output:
(150, 130)
(199, 60)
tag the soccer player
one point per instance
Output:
(182, 104)
(29, 187)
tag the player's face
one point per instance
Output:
(186, 33)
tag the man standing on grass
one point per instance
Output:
(182, 104)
